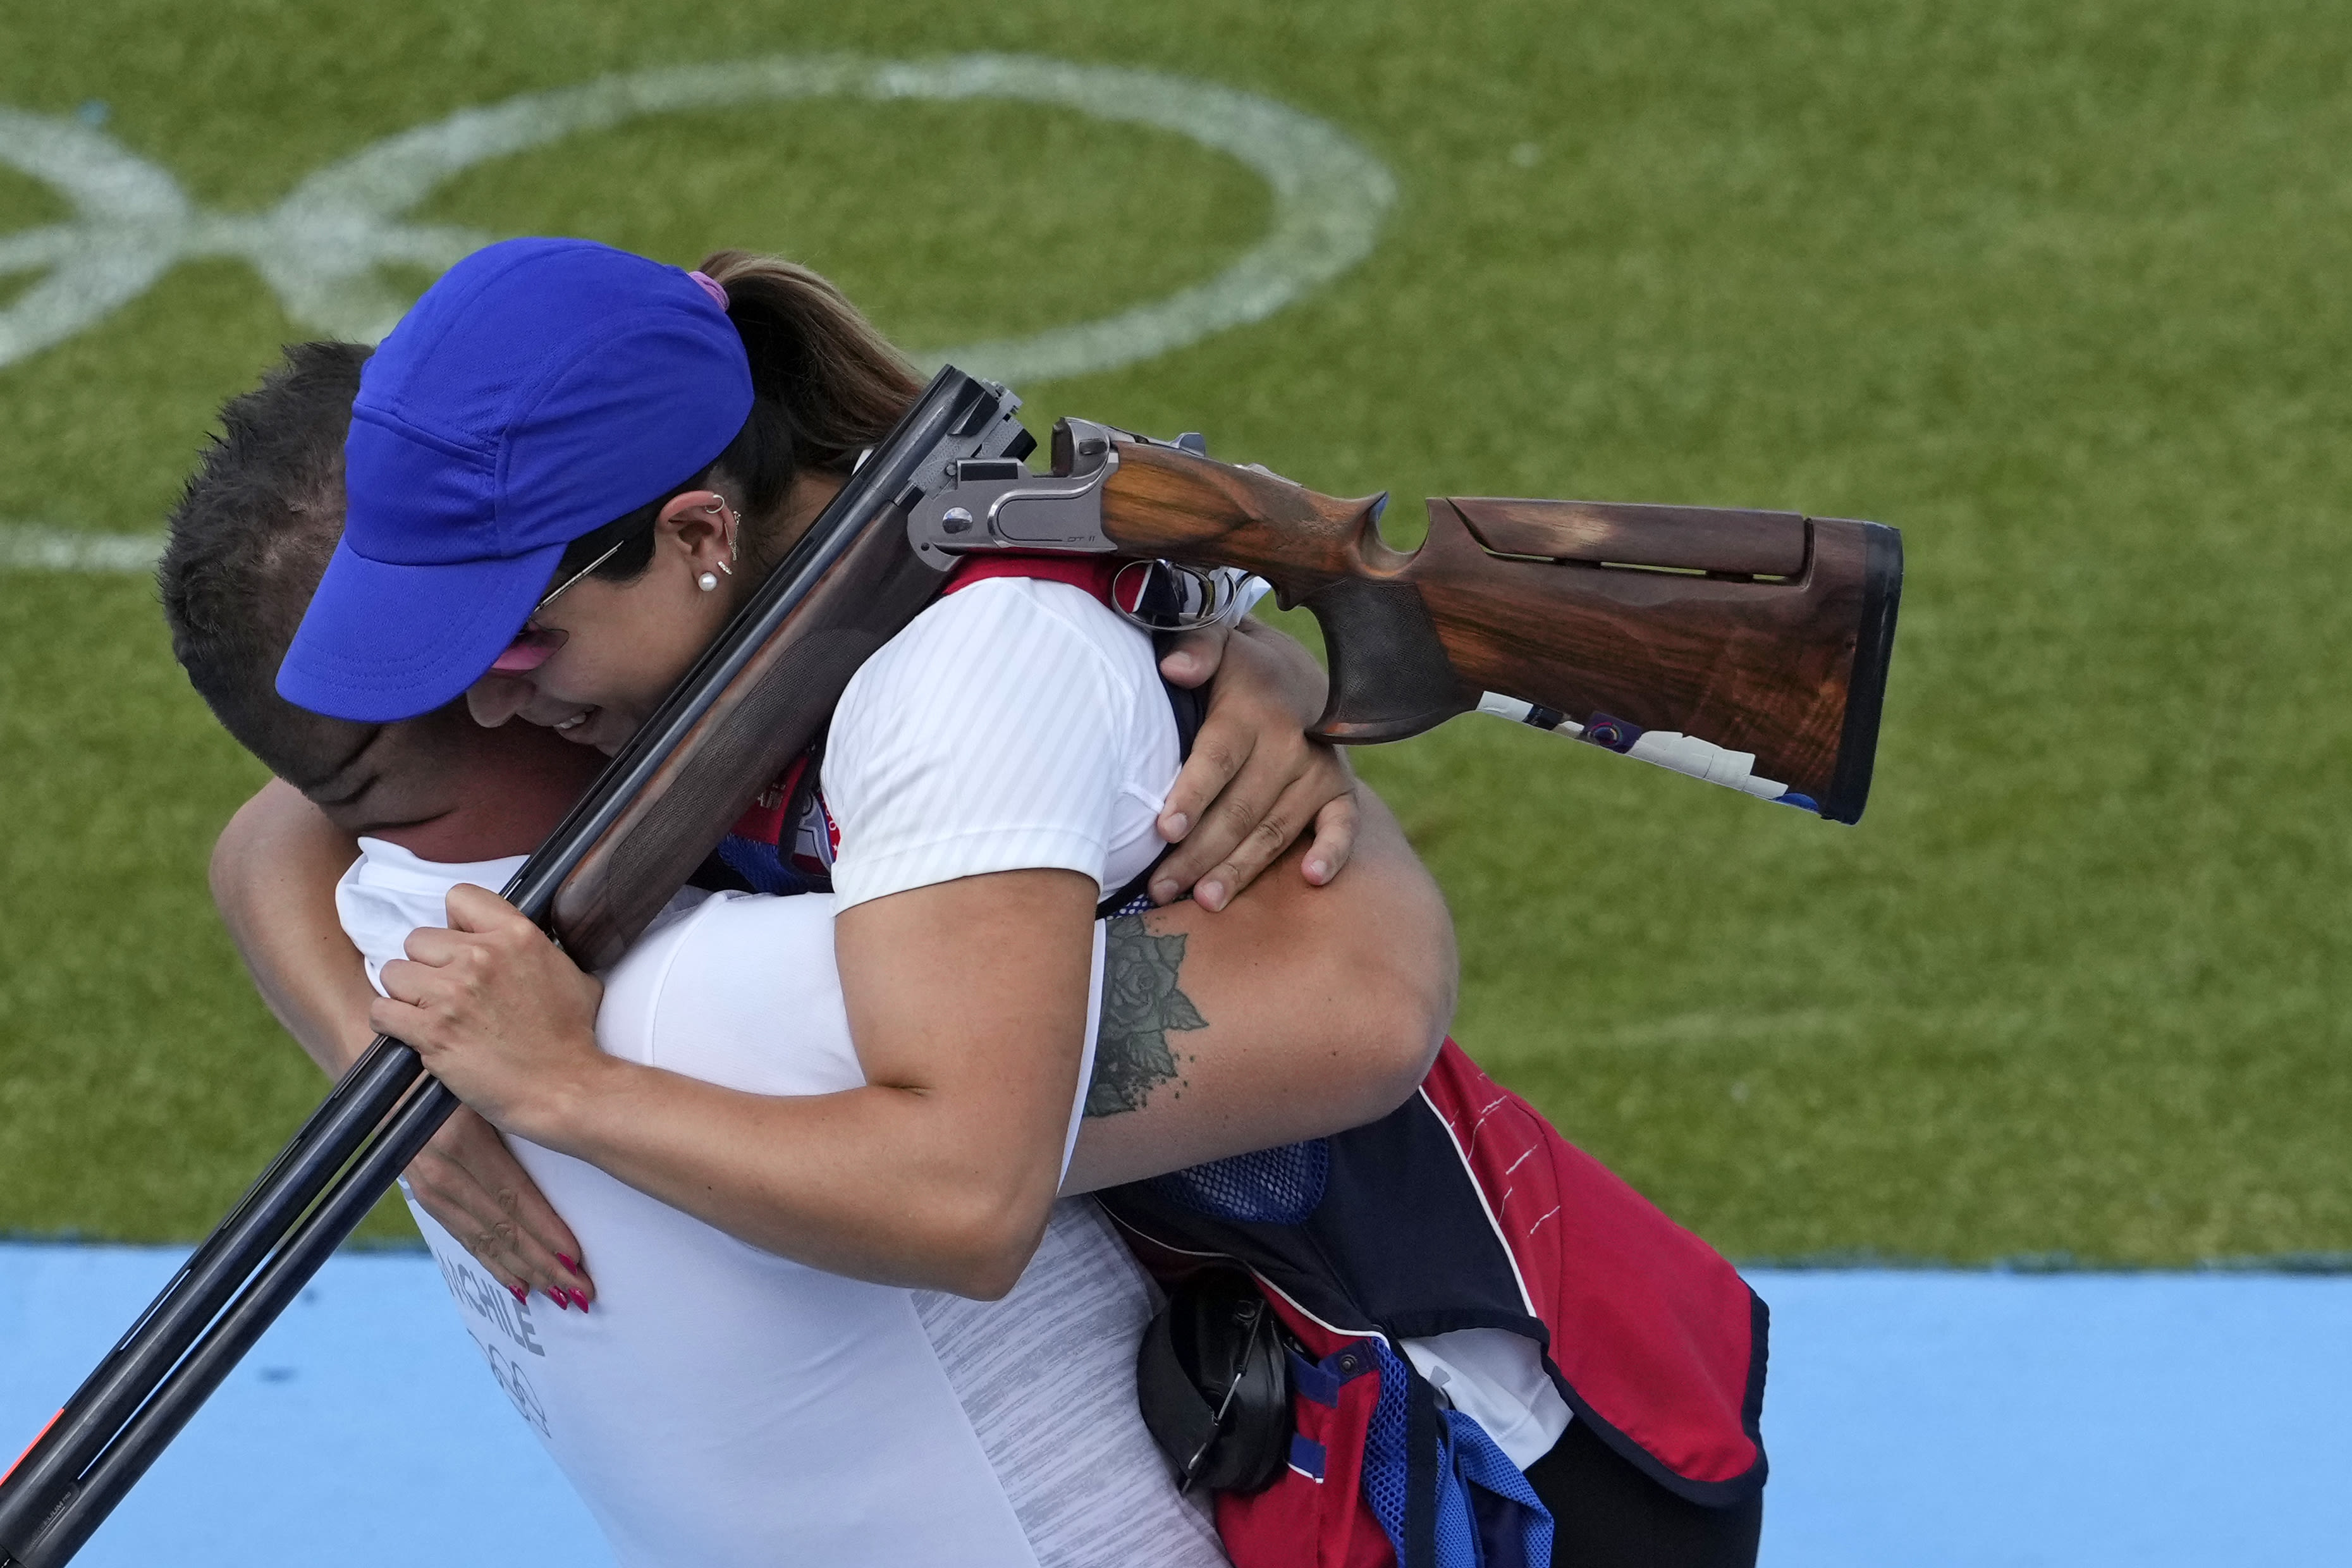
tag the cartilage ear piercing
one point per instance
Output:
(729, 570)
(707, 581)
(718, 505)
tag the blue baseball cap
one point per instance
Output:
(539, 389)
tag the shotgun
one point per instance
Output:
(1615, 623)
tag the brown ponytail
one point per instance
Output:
(838, 383)
(825, 386)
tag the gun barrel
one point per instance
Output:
(175, 1319)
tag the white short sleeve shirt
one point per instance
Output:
(1014, 725)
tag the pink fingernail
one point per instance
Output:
(567, 1262)
(1213, 894)
(557, 1296)
(1178, 825)
(522, 1296)
(579, 1296)
(1317, 871)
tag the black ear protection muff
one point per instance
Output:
(1212, 1377)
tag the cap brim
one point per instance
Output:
(383, 642)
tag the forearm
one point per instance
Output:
(967, 1002)
(273, 878)
(1303, 1011)
(877, 1184)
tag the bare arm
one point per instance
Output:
(1295, 1012)
(938, 1172)
(273, 877)
(967, 1003)
(1315, 1012)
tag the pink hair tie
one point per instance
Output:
(712, 286)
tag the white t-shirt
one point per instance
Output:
(1016, 724)
(1021, 724)
(722, 1406)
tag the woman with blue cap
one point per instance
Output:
(566, 469)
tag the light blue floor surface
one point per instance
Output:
(1913, 1419)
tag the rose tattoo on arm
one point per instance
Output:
(1141, 1003)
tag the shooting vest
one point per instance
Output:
(1462, 1209)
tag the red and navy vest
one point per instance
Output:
(1462, 1208)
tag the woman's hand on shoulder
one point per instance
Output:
(1255, 782)
(498, 1013)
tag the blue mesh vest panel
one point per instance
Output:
(1272, 1186)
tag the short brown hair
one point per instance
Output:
(247, 543)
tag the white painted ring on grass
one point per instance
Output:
(29, 547)
(320, 248)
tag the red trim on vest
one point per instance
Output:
(1650, 1326)
(1307, 1521)
(1095, 574)
(1654, 1334)
(763, 821)
(1301, 1521)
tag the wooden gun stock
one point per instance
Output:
(1760, 632)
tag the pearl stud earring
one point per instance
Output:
(707, 581)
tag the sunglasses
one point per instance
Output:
(522, 654)
(625, 534)
(559, 590)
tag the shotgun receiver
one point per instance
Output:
(1748, 648)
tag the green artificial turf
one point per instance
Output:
(2056, 288)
